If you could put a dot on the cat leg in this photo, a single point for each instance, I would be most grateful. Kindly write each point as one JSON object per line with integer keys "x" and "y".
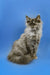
{"x": 34, "y": 53}
{"x": 35, "y": 49}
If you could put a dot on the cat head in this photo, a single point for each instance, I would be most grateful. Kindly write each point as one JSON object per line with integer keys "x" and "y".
{"x": 33, "y": 21}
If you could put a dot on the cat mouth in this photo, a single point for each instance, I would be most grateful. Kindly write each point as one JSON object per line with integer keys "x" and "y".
{"x": 34, "y": 24}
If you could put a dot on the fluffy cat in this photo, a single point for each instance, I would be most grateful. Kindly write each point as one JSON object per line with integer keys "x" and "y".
{"x": 24, "y": 50}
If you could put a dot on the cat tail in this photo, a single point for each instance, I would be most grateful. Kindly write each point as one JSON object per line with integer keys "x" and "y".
{"x": 25, "y": 59}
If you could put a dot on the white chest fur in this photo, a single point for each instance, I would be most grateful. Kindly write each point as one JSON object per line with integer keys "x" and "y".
{"x": 31, "y": 32}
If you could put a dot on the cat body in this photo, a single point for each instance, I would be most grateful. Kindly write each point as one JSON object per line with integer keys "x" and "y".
{"x": 24, "y": 50}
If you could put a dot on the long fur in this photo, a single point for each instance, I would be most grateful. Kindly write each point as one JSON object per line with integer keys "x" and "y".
{"x": 26, "y": 47}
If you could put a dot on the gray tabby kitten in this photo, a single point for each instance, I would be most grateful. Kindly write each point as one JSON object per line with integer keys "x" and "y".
{"x": 24, "y": 50}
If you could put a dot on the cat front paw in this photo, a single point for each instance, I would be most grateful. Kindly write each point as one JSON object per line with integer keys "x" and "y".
{"x": 35, "y": 57}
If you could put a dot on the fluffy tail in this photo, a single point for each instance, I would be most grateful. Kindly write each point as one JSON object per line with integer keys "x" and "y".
{"x": 25, "y": 59}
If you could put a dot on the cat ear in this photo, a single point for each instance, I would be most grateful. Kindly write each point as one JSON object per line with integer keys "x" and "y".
{"x": 38, "y": 17}
{"x": 27, "y": 18}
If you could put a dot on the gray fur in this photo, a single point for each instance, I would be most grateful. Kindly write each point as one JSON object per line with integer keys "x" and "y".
{"x": 24, "y": 50}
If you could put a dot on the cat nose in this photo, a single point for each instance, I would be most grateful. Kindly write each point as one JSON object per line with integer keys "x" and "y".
{"x": 33, "y": 21}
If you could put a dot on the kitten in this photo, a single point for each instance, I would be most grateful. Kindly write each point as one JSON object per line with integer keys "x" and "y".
{"x": 24, "y": 50}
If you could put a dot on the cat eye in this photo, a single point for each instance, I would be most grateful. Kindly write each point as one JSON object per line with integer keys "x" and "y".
{"x": 28, "y": 21}
{"x": 38, "y": 21}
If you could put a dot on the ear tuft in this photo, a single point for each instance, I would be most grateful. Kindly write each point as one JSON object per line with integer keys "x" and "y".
{"x": 28, "y": 18}
{"x": 38, "y": 17}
